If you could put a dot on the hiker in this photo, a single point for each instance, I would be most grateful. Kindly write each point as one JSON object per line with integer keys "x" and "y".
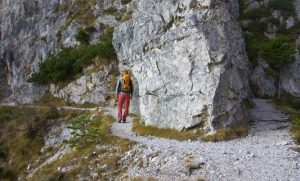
{"x": 124, "y": 91}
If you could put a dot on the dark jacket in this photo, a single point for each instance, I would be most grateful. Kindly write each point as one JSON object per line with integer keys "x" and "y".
{"x": 119, "y": 87}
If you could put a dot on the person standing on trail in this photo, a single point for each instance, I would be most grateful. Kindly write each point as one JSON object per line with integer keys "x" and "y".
{"x": 124, "y": 91}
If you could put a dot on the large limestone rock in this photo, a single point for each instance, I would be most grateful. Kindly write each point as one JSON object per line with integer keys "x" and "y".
{"x": 189, "y": 62}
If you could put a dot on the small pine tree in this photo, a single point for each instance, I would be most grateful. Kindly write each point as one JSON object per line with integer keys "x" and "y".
{"x": 84, "y": 130}
{"x": 82, "y": 36}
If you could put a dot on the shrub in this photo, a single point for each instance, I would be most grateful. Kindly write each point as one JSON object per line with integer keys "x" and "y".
{"x": 110, "y": 10}
{"x": 253, "y": 47}
{"x": 6, "y": 174}
{"x": 256, "y": 14}
{"x": 283, "y": 5}
{"x": 82, "y": 36}
{"x": 125, "y": 1}
{"x": 52, "y": 113}
{"x": 256, "y": 27}
{"x": 3, "y": 152}
{"x": 84, "y": 130}
{"x": 279, "y": 51}
{"x": 70, "y": 61}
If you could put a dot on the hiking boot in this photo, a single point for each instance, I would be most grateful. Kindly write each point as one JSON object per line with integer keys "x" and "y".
{"x": 124, "y": 120}
{"x": 119, "y": 121}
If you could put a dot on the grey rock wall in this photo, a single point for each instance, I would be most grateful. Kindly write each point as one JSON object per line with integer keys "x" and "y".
{"x": 28, "y": 32}
{"x": 94, "y": 88}
{"x": 189, "y": 61}
{"x": 263, "y": 85}
{"x": 290, "y": 77}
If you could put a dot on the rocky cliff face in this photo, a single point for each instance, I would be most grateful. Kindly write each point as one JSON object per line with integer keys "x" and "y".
{"x": 31, "y": 30}
{"x": 188, "y": 57}
{"x": 273, "y": 20}
{"x": 189, "y": 62}
{"x": 290, "y": 77}
{"x": 28, "y": 33}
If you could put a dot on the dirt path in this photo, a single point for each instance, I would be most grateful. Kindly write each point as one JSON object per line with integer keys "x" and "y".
{"x": 263, "y": 155}
{"x": 58, "y": 107}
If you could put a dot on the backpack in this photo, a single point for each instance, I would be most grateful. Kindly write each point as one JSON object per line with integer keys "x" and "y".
{"x": 126, "y": 86}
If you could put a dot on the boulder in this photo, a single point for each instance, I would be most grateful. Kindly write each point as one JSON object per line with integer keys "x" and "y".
{"x": 188, "y": 60}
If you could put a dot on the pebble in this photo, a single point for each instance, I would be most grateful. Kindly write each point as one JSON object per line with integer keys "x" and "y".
{"x": 104, "y": 166}
{"x": 282, "y": 143}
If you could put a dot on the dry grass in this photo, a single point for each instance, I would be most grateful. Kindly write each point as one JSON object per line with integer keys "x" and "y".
{"x": 22, "y": 132}
{"x": 127, "y": 16}
{"x": 80, "y": 159}
{"x": 290, "y": 106}
{"x": 224, "y": 134}
{"x": 297, "y": 149}
{"x": 142, "y": 178}
{"x": 143, "y": 130}
{"x": 85, "y": 14}
{"x": 51, "y": 101}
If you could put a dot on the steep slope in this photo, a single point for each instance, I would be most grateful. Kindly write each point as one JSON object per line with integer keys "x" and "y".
{"x": 189, "y": 62}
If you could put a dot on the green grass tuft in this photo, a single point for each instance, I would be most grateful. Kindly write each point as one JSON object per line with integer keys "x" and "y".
{"x": 143, "y": 130}
{"x": 83, "y": 36}
{"x": 229, "y": 133}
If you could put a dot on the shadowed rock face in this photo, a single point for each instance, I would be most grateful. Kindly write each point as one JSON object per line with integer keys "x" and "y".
{"x": 28, "y": 33}
{"x": 290, "y": 78}
{"x": 31, "y": 30}
{"x": 3, "y": 79}
{"x": 189, "y": 61}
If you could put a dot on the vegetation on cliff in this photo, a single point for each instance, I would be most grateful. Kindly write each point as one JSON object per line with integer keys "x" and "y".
{"x": 69, "y": 62}
{"x": 269, "y": 36}
{"x": 278, "y": 50}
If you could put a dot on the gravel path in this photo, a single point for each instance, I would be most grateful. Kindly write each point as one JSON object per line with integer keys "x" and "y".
{"x": 57, "y": 107}
{"x": 263, "y": 155}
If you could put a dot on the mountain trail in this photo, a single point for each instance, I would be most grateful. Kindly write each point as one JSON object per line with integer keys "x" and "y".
{"x": 264, "y": 154}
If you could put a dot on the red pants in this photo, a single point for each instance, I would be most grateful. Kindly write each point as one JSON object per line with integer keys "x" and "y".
{"x": 123, "y": 98}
